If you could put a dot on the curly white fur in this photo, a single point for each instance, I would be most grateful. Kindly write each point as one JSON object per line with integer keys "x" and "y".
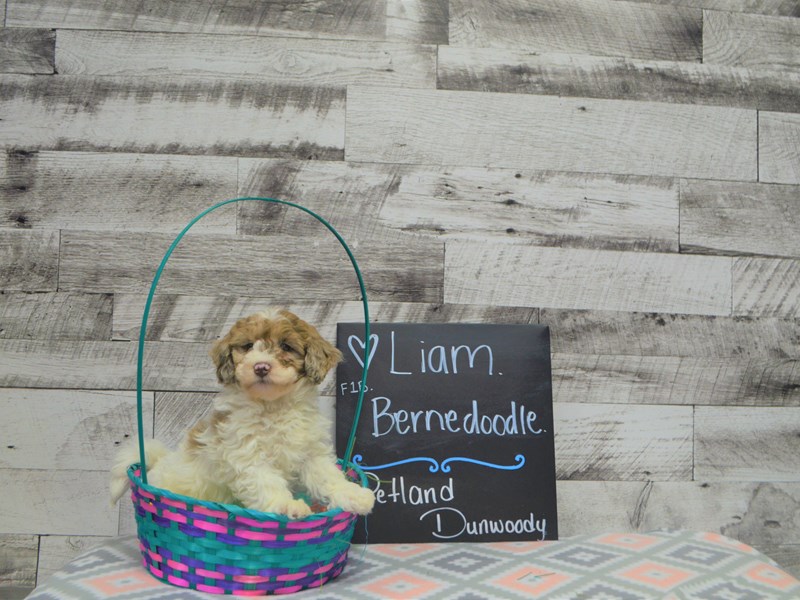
{"x": 264, "y": 441}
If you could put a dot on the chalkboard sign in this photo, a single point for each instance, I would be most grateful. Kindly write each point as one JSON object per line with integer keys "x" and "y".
{"x": 456, "y": 431}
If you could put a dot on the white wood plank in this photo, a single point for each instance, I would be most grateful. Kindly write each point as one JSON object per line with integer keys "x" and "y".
{"x": 285, "y": 61}
{"x": 766, "y": 287}
{"x": 607, "y": 442}
{"x": 775, "y": 8}
{"x": 63, "y": 429}
{"x": 744, "y": 40}
{"x": 29, "y": 260}
{"x": 740, "y": 444}
{"x": 105, "y": 365}
{"x": 18, "y": 561}
{"x": 517, "y": 131}
{"x": 515, "y": 70}
{"x": 56, "y": 502}
{"x": 204, "y": 318}
{"x": 508, "y": 274}
{"x": 56, "y": 551}
{"x": 663, "y": 335}
{"x": 693, "y": 380}
{"x": 213, "y": 264}
{"x": 176, "y": 412}
{"x": 122, "y": 192}
{"x": 778, "y": 144}
{"x": 548, "y": 208}
{"x": 166, "y": 115}
{"x": 739, "y": 510}
{"x": 29, "y": 51}
{"x": 580, "y": 26}
{"x": 55, "y": 316}
{"x": 730, "y": 218}
{"x": 419, "y": 21}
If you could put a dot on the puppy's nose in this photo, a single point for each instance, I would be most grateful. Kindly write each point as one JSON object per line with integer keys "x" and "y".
{"x": 261, "y": 369}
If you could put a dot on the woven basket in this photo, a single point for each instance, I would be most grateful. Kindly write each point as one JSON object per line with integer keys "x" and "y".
{"x": 228, "y": 549}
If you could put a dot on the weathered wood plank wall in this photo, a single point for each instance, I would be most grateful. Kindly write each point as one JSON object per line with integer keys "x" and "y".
{"x": 627, "y": 172}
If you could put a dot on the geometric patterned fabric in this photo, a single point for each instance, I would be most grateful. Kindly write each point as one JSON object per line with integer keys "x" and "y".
{"x": 663, "y": 565}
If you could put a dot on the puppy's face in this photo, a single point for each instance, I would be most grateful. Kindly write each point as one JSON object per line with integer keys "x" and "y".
{"x": 268, "y": 354}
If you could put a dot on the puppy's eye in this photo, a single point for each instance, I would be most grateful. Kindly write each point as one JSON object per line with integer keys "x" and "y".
{"x": 247, "y": 347}
{"x": 287, "y": 348}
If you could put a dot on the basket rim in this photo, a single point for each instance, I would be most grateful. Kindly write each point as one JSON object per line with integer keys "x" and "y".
{"x": 240, "y": 511}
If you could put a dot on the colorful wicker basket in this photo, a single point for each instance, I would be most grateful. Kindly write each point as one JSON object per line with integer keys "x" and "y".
{"x": 227, "y": 549}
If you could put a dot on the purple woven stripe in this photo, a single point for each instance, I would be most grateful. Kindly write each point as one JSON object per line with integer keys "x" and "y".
{"x": 232, "y": 540}
{"x": 190, "y": 530}
{"x": 229, "y": 570}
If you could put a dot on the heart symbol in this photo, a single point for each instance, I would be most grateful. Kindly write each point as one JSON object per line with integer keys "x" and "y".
{"x": 373, "y": 345}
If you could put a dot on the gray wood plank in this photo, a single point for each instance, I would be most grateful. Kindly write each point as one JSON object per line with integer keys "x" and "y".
{"x": 756, "y": 41}
{"x": 18, "y": 561}
{"x": 56, "y": 551}
{"x": 598, "y": 27}
{"x": 169, "y": 116}
{"x": 766, "y": 287}
{"x": 775, "y": 8}
{"x": 508, "y": 274}
{"x": 285, "y": 61}
{"x": 29, "y": 51}
{"x": 739, "y": 444}
{"x": 176, "y": 412}
{"x": 55, "y": 316}
{"x": 546, "y": 208}
{"x": 204, "y": 318}
{"x": 739, "y": 218}
{"x": 676, "y": 380}
{"x": 242, "y": 266}
{"x": 29, "y": 260}
{"x": 602, "y": 332}
{"x": 618, "y": 443}
{"x": 417, "y": 21}
{"x": 105, "y": 365}
{"x": 109, "y": 191}
{"x": 778, "y": 143}
{"x": 738, "y": 510}
{"x": 579, "y": 134}
{"x": 67, "y": 429}
{"x": 514, "y": 70}
{"x": 56, "y": 502}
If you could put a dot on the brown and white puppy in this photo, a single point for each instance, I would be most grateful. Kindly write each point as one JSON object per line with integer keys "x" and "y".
{"x": 264, "y": 439}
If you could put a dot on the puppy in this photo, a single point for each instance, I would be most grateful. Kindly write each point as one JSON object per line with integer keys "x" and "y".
{"x": 264, "y": 439}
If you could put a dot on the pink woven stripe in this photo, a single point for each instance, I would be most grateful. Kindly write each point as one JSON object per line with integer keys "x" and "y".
{"x": 148, "y": 507}
{"x": 168, "y": 514}
{"x": 214, "y": 527}
{"x": 261, "y": 536}
{"x": 291, "y": 576}
{"x": 155, "y": 556}
{"x": 258, "y": 524}
{"x": 289, "y": 590}
{"x": 305, "y": 524}
{"x": 157, "y": 572}
{"x": 177, "y": 581}
{"x": 174, "y": 503}
{"x": 254, "y": 579}
{"x": 254, "y": 592}
{"x": 209, "y": 574}
{"x": 177, "y": 566}
{"x": 211, "y": 589}
{"x": 147, "y": 495}
{"x": 338, "y": 527}
{"x": 323, "y": 569}
{"x": 299, "y": 537}
{"x": 217, "y": 514}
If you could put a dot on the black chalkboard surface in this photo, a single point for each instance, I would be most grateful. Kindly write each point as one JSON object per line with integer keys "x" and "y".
{"x": 457, "y": 429}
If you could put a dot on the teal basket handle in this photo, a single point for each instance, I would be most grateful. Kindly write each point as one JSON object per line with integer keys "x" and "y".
{"x": 143, "y": 331}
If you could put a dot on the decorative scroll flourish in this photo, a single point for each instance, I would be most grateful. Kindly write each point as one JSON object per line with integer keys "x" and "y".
{"x": 444, "y": 466}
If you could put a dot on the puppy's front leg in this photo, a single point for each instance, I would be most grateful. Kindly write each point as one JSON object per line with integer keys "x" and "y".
{"x": 264, "y": 489}
{"x": 324, "y": 480}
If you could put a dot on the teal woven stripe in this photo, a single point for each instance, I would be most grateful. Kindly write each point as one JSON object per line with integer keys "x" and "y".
{"x": 142, "y": 333}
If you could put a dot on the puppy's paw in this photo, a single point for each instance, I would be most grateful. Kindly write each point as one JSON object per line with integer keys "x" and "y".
{"x": 294, "y": 509}
{"x": 353, "y": 498}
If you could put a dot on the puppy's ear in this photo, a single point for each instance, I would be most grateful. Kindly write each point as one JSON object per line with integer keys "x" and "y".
{"x": 321, "y": 355}
{"x": 223, "y": 359}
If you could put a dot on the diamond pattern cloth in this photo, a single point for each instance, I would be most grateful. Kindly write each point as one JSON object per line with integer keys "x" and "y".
{"x": 667, "y": 565}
